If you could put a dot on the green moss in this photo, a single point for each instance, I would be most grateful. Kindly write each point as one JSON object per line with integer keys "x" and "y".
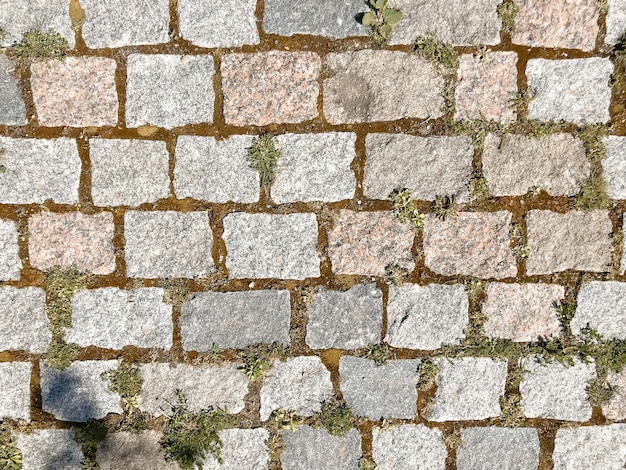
{"x": 379, "y": 353}
{"x": 444, "y": 207}
{"x": 475, "y": 288}
{"x": 367, "y": 464}
{"x": 335, "y": 417}
{"x": 592, "y": 140}
{"x": 428, "y": 371}
{"x": 405, "y": 210}
{"x": 91, "y": 434}
{"x": 39, "y": 45}
{"x": 176, "y": 291}
{"x": 258, "y": 358}
{"x": 518, "y": 241}
{"x": 61, "y": 283}
{"x": 396, "y": 275}
{"x": 126, "y": 381}
{"x": 599, "y": 391}
{"x": 592, "y": 196}
{"x": 512, "y": 413}
{"x": 478, "y": 188}
{"x": 10, "y": 455}
{"x": 263, "y": 157}
{"x": 430, "y": 48}
{"x": 521, "y": 100}
{"x": 565, "y": 313}
{"x": 60, "y": 355}
{"x": 507, "y": 11}
{"x": 381, "y": 20}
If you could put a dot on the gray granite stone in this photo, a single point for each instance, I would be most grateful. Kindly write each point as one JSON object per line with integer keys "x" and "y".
{"x": 16, "y": 18}
{"x": 228, "y": 23}
{"x": 12, "y": 108}
{"x": 168, "y": 244}
{"x": 375, "y": 85}
{"x": 586, "y": 447}
{"x": 556, "y": 391}
{"x": 23, "y": 320}
{"x": 235, "y": 319}
{"x": 300, "y": 384}
{"x": 264, "y": 246}
{"x": 615, "y": 21}
{"x": 128, "y": 172}
{"x": 222, "y": 386}
{"x": 427, "y": 166}
{"x": 79, "y": 393}
{"x": 572, "y": 90}
{"x": 426, "y": 317}
{"x": 468, "y": 389}
{"x": 315, "y": 167}
{"x": 614, "y": 166}
{"x": 47, "y": 449}
{"x": 215, "y": 170}
{"x": 244, "y": 449}
{"x": 345, "y": 320}
{"x": 615, "y": 408}
{"x": 10, "y": 263}
{"x": 39, "y": 169}
{"x": 132, "y": 451}
{"x": 315, "y": 449}
{"x": 502, "y": 448}
{"x": 409, "y": 446}
{"x": 601, "y": 305}
{"x": 169, "y": 90}
{"x": 575, "y": 240}
{"x": 118, "y": 23}
{"x": 15, "y": 386}
{"x": 514, "y": 164}
{"x": 375, "y": 392}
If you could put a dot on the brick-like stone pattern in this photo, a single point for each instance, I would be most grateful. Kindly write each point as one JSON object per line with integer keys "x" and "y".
{"x": 409, "y": 446}
{"x": 307, "y": 448}
{"x": 23, "y": 320}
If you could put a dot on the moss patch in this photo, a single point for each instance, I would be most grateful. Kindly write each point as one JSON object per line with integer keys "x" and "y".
{"x": 428, "y": 371}
{"x": 379, "y": 353}
{"x": 430, "y": 48}
{"x": 263, "y": 157}
{"x": 36, "y": 45}
{"x": 519, "y": 247}
{"x": 507, "y": 11}
{"x": 10, "y": 456}
{"x": 126, "y": 381}
{"x": 396, "y": 275}
{"x": 592, "y": 195}
{"x": 176, "y": 291}
{"x": 60, "y": 355}
{"x": 335, "y": 417}
{"x": 444, "y": 207}
{"x": 367, "y": 464}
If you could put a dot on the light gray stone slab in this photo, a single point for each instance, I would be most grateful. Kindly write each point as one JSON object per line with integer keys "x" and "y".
{"x": 556, "y": 391}
{"x": 315, "y": 167}
{"x": 168, "y": 244}
{"x": 169, "y": 90}
{"x": 15, "y": 386}
{"x": 235, "y": 319}
{"x": 426, "y": 317}
{"x": 132, "y": 451}
{"x": 10, "y": 262}
{"x": 614, "y": 166}
{"x": 315, "y": 449}
{"x": 427, "y": 166}
{"x": 215, "y": 170}
{"x": 468, "y": 389}
{"x": 23, "y": 320}
{"x": 345, "y": 320}
{"x": 588, "y": 447}
{"x": 299, "y": 384}
{"x": 409, "y": 446}
{"x": 265, "y": 245}
{"x": 615, "y": 408}
{"x": 39, "y": 169}
{"x": 16, "y": 18}
{"x": 502, "y": 448}
{"x": 12, "y": 108}
{"x": 47, "y": 449}
{"x": 128, "y": 172}
{"x": 243, "y": 449}
{"x": 615, "y": 21}
{"x": 375, "y": 392}
{"x": 79, "y": 392}
{"x": 572, "y": 90}
{"x": 601, "y": 305}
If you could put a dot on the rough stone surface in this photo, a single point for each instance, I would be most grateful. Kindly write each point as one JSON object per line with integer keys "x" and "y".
{"x": 322, "y": 18}
{"x": 468, "y": 389}
{"x": 45, "y": 449}
{"x": 244, "y": 449}
{"x": 615, "y": 408}
{"x": 409, "y": 446}
{"x": 371, "y": 85}
{"x": 614, "y": 166}
{"x": 299, "y": 384}
{"x": 572, "y": 24}
{"x": 128, "y": 172}
{"x": 264, "y": 246}
{"x": 75, "y": 92}
{"x": 522, "y": 312}
{"x": 117, "y": 23}
{"x": 427, "y": 166}
{"x": 10, "y": 263}
{"x": 575, "y": 240}
{"x": 556, "y": 391}
{"x": 315, "y": 167}
{"x": 367, "y": 242}
{"x": 572, "y": 90}
{"x": 169, "y": 90}
{"x": 270, "y": 87}
{"x": 79, "y": 393}
{"x": 615, "y": 21}
{"x": 376, "y": 392}
{"x": 471, "y": 244}
{"x": 17, "y": 18}
{"x": 514, "y": 164}
{"x": 590, "y": 447}
{"x": 601, "y": 305}
{"x": 72, "y": 238}
{"x": 215, "y": 170}
{"x": 345, "y": 320}
{"x": 131, "y": 451}
{"x": 23, "y": 320}
{"x": 315, "y": 449}
{"x": 168, "y": 244}
{"x": 228, "y": 23}
{"x": 39, "y": 169}
{"x": 459, "y": 23}
{"x": 503, "y": 448}
{"x": 15, "y": 386}
{"x": 12, "y": 108}
{"x": 235, "y": 319}
{"x": 222, "y": 386}
{"x": 426, "y": 317}
{"x": 485, "y": 86}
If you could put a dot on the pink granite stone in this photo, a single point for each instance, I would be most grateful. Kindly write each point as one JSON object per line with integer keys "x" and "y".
{"x": 615, "y": 408}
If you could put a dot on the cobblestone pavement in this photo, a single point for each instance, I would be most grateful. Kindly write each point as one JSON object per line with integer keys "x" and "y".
{"x": 242, "y": 235}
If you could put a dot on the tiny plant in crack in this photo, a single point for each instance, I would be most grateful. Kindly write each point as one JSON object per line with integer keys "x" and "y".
{"x": 379, "y": 353}
{"x": 444, "y": 207}
{"x": 37, "y": 45}
{"x": 433, "y": 49}
{"x": 10, "y": 456}
{"x": 507, "y": 11}
{"x": 257, "y": 359}
{"x": 381, "y": 20}
{"x": 404, "y": 208}
{"x": 396, "y": 275}
{"x": 335, "y": 417}
{"x": 126, "y": 381}
{"x": 263, "y": 157}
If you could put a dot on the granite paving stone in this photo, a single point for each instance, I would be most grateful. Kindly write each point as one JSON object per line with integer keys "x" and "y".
{"x": 12, "y": 108}
{"x": 615, "y": 407}
{"x": 23, "y": 320}
{"x": 601, "y": 305}
{"x": 496, "y": 447}
{"x": 243, "y": 449}
{"x": 307, "y": 448}
{"x": 614, "y": 166}
{"x": 16, "y": 18}
{"x": 10, "y": 263}
{"x": 409, "y": 446}
{"x": 615, "y": 21}
{"x": 590, "y": 447}
{"x": 15, "y": 386}
{"x": 132, "y": 451}
{"x": 50, "y": 448}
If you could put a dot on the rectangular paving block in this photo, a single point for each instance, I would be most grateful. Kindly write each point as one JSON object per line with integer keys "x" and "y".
{"x": 128, "y": 172}
{"x": 615, "y": 408}
{"x": 10, "y": 262}
{"x": 169, "y": 90}
{"x": 214, "y": 170}
{"x": 375, "y": 85}
{"x": 264, "y": 246}
{"x": 427, "y": 166}
{"x": 243, "y": 449}
{"x": 15, "y": 386}
{"x": 23, "y": 320}
{"x": 307, "y": 448}
{"x": 72, "y": 238}
{"x": 133, "y": 451}
{"x": 168, "y": 244}
{"x": 496, "y": 447}
{"x": 17, "y": 18}
{"x": 12, "y": 108}
{"x": 601, "y": 305}
{"x": 39, "y": 169}
{"x": 615, "y": 21}
{"x": 614, "y": 166}
{"x": 590, "y": 447}
{"x": 409, "y": 446}
{"x": 50, "y": 448}
{"x": 235, "y": 319}
{"x": 270, "y": 87}
{"x": 575, "y": 240}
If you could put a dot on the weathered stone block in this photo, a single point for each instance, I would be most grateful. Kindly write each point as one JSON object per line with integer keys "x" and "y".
{"x": 50, "y": 448}
{"x": 409, "y": 446}
{"x": 244, "y": 449}
{"x": 615, "y": 21}
{"x": 10, "y": 263}
{"x": 587, "y": 447}
{"x": 615, "y": 408}
{"x": 614, "y": 166}
{"x": 132, "y": 451}
{"x": 15, "y": 386}
{"x": 601, "y": 305}
{"x": 23, "y": 320}
{"x": 492, "y": 447}
{"x": 12, "y": 108}
{"x": 315, "y": 449}
{"x": 17, "y": 18}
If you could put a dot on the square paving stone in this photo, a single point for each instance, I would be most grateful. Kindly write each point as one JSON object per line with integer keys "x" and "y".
{"x": 409, "y": 446}
{"x": 23, "y": 320}
{"x": 380, "y": 392}
{"x": 243, "y": 449}
{"x": 615, "y": 408}
{"x": 614, "y": 166}
{"x": 10, "y": 262}
{"x": 315, "y": 449}
{"x": 45, "y": 449}
{"x": 18, "y": 17}
{"x": 12, "y": 108}
{"x": 586, "y": 447}
{"x": 132, "y": 451}
{"x": 615, "y": 21}
{"x": 15, "y": 386}
{"x": 601, "y": 305}
{"x": 501, "y": 448}
{"x": 169, "y": 90}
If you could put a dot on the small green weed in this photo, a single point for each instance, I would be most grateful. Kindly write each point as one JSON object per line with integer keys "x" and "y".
{"x": 478, "y": 188}
{"x": 126, "y": 381}
{"x": 565, "y": 313}
{"x": 521, "y": 100}
{"x": 507, "y": 11}
{"x": 367, "y": 464}
{"x": 430, "y": 48}
{"x": 39, "y": 45}
{"x": 381, "y": 20}
{"x": 396, "y": 275}
{"x": 286, "y": 419}
{"x": 519, "y": 247}
{"x": 60, "y": 355}
{"x": 592, "y": 196}
{"x": 512, "y": 413}
{"x": 257, "y": 359}
{"x": 175, "y": 292}
{"x": 379, "y": 353}
{"x": 91, "y": 434}
{"x": 10, "y": 455}
{"x": 335, "y": 417}
{"x": 599, "y": 391}
{"x": 405, "y": 210}
{"x": 482, "y": 53}
{"x": 263, "y": 157}
{"x": 444, "y": 207}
